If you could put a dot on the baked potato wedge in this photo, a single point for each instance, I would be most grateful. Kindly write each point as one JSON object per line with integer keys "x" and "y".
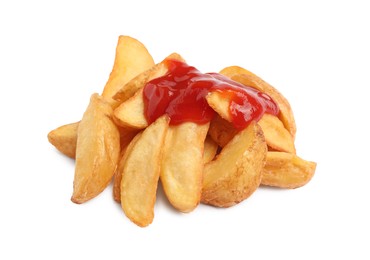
{"x": 130, "y": 114}
{"x": 64, "y": 138}
{"x": 158, "y": 70}
{"x": 276, "y": 135}
{"x": 97, "y": 150}
{"x": 286, "y": 170}
{"x": 140, "y": 173}
{"x": 247, "y": 78}
{"x": 132, "y": 58}
{"x": 237, "y": 171}
{"x": 118, "y": 173}
{"x": 182, "y": 164}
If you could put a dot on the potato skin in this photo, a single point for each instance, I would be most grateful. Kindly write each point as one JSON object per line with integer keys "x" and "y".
{"x": 97, "y": 151}
{"x": 277, "y": 136}
{"x": 286, "y": 170}
{"x": 237, "y": 171}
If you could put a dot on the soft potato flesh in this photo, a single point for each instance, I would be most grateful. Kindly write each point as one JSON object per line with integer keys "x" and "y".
{"x": 276, "y": 135}
{"x": 97, "y": 151}
{"x": 64, "y": 138}
{"x": 118, "y": 173}
{"x": 210, "y": 150}
{"x": 158, "y": 70}
{"x": 140, "y": 173}
{"x": 236, "y": 172}
{"x": 286, "y": 170}
{"x": 132, "y": 58}
{"x": 247, "y": 78}
{"x": 182, "y": 164}
{"x": 220, "y": 103}
{"x": 130, "y": 114}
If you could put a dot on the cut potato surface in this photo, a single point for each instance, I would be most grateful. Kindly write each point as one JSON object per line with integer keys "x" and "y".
{"x": 132, "y": 58}
{"x": 286, "y": 170}
{"x": 182, "y": 164}
{"x": 140, "y": 173}
{"x": 97, "y": 151}
{"x": 64, "y": 138}
{"x": 119, "y": 170}
{"x": 137, "y": 83}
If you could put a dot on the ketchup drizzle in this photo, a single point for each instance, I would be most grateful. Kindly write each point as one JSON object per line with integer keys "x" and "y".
{"x": 181, "y": 94}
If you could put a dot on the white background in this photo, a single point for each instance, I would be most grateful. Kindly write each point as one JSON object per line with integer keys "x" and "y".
{"x": 53, "y": 56}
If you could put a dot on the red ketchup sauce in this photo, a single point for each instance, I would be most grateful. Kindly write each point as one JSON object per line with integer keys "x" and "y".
{"x": 181, "y": 94}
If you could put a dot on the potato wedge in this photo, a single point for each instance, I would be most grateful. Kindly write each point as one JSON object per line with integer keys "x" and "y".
{"x": 132, "y": 58}
{"x": 221, "y": 131}
{"x": 158, "y": 70}
{"x": 118, "y": 173}
{"x": 276, "y": 135}
{"x": 64, "y": 138}
{"x": 220, "y": 103}
{"x": 141, "y": 173}
{"x": 236, "y": 172}
{"x": 130, "y": 114}
{"x": 210, "y": 150}
{"x": 247, "y": 78}
{"x": 286, "y": 170}
{"x": 97, "y": 151}
{"x": 182, "y": 164}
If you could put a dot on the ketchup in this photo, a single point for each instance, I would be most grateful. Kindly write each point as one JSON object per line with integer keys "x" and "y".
{"x": 181, "y": 94}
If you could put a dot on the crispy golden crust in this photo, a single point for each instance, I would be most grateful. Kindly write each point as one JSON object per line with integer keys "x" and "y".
{"x": 236, "y": 173}
{"x": 140, "y": 173}
{"x": 130, "y": 114}
{"x": 286, "y": 170}
{"x": 64, "y": 138}
{"x": 125, "y": 151}
{"x": 276, "y": 135}
{"x": 132, "y": 58}
{"x": 182, "y": 164}
{"x": 97, "y": 151}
